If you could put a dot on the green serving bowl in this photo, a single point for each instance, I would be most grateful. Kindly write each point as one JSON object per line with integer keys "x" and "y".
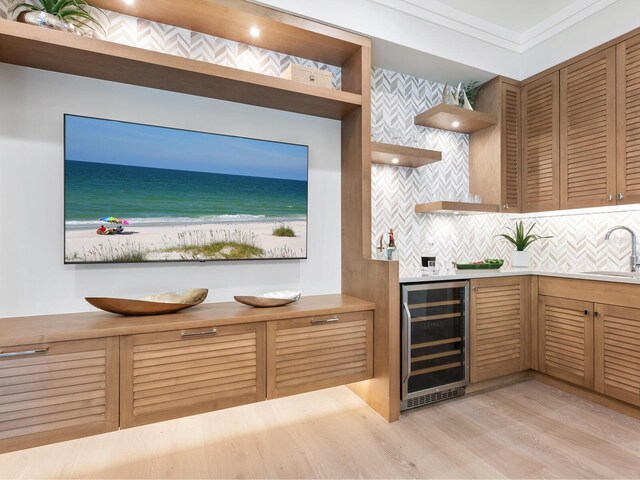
{"x": 480, "y": 266}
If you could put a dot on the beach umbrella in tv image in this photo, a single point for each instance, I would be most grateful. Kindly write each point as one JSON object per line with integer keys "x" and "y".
{"x": 112, "y": 231}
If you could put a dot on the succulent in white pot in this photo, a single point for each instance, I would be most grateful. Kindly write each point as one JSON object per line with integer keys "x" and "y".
{"x": 520, "y": 239}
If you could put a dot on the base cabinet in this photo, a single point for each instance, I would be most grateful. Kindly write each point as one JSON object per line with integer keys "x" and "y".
{"x": 173, "y": 374}
{"x": 499, "y": 327}
{"x": 305, "y": 354}
{"x": 617, "y": 347}
{"x": 57, "y": 391}
{"x": 566, "y": 339}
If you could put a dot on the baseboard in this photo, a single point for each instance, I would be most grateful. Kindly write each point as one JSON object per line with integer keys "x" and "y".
{"x": 496, "y": 383}
{"x": 595, "y": 397}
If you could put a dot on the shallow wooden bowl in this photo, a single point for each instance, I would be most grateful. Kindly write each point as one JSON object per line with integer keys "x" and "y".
{"x": 263, "y": 301}
{"x": 152, "y": 305}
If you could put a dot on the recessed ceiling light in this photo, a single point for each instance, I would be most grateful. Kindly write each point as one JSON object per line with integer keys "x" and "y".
{"x": 254, "y": 32}
{"x": 394, "y": 160}
{"x": 455, "y": 124}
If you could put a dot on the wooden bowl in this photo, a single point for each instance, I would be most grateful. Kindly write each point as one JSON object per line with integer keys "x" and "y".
{"x": 152, "y": 305}
{"x": 263, "y": 301}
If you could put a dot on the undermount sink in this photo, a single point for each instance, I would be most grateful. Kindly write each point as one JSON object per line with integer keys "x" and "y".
{"x": 614, "y": 274}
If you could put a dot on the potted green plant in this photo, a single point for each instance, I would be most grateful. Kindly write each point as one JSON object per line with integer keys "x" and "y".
{"x": 71, "y": 15}
{"x": 521, "y": 240}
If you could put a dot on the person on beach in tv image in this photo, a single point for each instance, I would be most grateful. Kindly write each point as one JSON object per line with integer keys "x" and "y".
{"x": 185, "y": 195}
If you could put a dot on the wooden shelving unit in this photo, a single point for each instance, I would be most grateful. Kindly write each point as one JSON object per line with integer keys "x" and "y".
{"x": 456, "y": 208}
{"x": 445, "y": 116}
{"x": 37, "y": 47}
{"x": 384, "y": 154}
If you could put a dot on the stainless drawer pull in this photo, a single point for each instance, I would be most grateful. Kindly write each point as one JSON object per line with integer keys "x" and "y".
{"x": 326, "y": 320}
{"x": 184, "y": 334}
{"x": 24, "y": 352}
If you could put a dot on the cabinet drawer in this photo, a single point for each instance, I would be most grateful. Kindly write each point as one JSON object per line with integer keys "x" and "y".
{"x": 311, "y": 353}
{"x": 185, "y": 372}
{"x": 57, "y": 391}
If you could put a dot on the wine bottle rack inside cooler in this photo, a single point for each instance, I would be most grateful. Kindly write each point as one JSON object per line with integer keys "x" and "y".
{"x": 435, "y": 352}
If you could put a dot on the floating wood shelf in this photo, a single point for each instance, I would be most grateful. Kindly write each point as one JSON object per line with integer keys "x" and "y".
{"x": 38, "y": 47}
{"x": 443, "y": 117}
{"x": 384, "y": 154}
{"x": 457, "y": 208}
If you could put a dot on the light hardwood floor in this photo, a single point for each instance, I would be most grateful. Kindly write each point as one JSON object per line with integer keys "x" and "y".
{"x": 527, "y": 430}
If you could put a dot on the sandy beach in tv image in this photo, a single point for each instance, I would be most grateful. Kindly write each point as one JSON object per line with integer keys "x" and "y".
{"x": 136, "y": 193}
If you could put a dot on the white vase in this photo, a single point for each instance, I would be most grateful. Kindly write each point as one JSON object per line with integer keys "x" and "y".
{"x": 520, "y": 259}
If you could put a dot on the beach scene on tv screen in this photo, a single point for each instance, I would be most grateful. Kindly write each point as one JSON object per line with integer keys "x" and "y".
{"x": 137, "y": 193}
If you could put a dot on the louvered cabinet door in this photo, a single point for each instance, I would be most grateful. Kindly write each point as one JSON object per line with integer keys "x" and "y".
{"x": 511, "y": 176}
{"x": 311, "y": 353}
{"x": 566, "y": 339}
{"x": 57, "y": 391}
{"x": 588, "y": 132}
{"x": 185, "y": 372}
{"x": 498, "y": 327}
{"x": 541, "y": 144}
{"x": 617, "y": 352}
{"x": 628, "y": 120}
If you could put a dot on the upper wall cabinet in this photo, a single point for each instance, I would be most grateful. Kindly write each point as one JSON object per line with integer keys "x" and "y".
{"x": 494, "y": 153}
{"x": 540, "y": 144}
{"x": 587, "y": 132}
{"x": 628, "y": 120}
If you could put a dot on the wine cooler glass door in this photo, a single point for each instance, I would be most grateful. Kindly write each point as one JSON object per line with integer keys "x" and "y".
{"x": 434, "y": 338}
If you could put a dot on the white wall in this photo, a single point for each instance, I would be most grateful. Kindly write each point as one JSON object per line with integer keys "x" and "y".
{"x": 33, "y": 278}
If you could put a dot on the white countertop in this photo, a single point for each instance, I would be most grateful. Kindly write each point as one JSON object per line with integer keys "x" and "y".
{"x": 416, "y": 275}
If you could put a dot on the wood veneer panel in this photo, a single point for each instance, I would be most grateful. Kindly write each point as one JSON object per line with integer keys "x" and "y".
{"x": 32, "y": 46}
{"x": 442, "y": 116}
{"x": 617, "y": 347}
{"x": 48, "y": 328}
{"x": 384, "y": 154}
{"x": 193, "y": 388}
{"x": 587, "y": 132}
{"x": 499, "y": 327}
{"x": 232, "y": 19}
{"x": 323, "y": 341}
{"x": 628, "y": 128}
{"x": 566, "y": 340}
{"x": 540, "y": 145}
{"x": 37, "y": 408}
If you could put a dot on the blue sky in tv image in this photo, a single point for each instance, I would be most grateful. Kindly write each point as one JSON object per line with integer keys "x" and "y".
{"x": 115, "y": 142}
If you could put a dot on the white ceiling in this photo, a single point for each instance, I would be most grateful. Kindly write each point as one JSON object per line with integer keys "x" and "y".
{"x": 454, "y": 40}
{"x": 517, "y": 25}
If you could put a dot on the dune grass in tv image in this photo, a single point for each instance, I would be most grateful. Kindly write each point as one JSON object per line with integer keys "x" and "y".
{"x": 142, "y": 193}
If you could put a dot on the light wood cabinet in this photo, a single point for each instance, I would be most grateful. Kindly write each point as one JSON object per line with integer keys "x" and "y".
{"x": 305, "y": 354}
{"x": 494, "y": 152}
{"x": 617, "y": 352}
{"x": 184, "y": 372}
{"x": 628, "y": 126}
{"x": 566, "y": 339}
{"x": 57, "y": 391}
{"x": 541, "y": 144}
{"x": 499, "y": 327}
{"x": 587, "y": 132}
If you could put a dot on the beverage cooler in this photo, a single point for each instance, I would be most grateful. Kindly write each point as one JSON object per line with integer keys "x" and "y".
{"x": 435, "y": 347}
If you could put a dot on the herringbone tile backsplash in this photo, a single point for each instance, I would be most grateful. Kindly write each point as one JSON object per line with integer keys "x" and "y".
{"x": 578, "y": 242}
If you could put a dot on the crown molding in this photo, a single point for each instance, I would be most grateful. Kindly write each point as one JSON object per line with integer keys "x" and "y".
{"x": 437, "y": 12}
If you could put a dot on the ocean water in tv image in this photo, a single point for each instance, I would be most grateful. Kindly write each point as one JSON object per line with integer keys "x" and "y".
{"x": 136, "y": 193}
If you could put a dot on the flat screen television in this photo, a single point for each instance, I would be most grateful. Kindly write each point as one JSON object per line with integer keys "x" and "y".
{"x": 144, "y": 193}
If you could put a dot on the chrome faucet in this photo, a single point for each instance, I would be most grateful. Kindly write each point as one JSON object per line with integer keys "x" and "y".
{"x": 634, "y": 245}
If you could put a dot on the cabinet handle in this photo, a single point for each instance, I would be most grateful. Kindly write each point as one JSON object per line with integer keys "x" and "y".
{"x": 610, "y": 197}
{"x": 24, "y": 352}
{"x": 596, "y": 314}
{"x": 324, "y": 320}
{"x": 184, "y": 334}
{"x": 586, "y": 312}
{"x": 312, "y": 77}
{"x": 506, "y": 206}
{"x": 620, "y": 196}
{"x": 474, "y": 288}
